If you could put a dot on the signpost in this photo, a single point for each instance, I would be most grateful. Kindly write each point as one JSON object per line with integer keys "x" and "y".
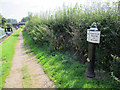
{"x": 93, "y": 37}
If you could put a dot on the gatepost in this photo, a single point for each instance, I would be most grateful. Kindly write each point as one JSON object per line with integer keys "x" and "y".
{"x": 93, "y": 37}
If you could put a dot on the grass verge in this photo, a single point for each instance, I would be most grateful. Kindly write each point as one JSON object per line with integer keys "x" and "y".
{"x": 26, "y": 82}
{"x": 63, "y": 70}
{"x": 6, "y": 55}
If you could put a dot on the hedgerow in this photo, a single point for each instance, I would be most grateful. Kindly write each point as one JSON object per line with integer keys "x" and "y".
{"x": 66, "y": 30}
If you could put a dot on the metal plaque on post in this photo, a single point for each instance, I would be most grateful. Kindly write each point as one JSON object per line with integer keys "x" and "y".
{"x": 93, "y": 36}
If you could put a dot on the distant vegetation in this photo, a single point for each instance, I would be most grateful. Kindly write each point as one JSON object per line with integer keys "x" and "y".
{"x": 11, "y": 21}
{"x": 3, "y": 23}
{"x": 25, "y": 19}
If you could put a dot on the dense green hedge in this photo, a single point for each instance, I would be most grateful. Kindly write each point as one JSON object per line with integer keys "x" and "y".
{"x": 66, "y": 30}
{"x": 64, "y": 71}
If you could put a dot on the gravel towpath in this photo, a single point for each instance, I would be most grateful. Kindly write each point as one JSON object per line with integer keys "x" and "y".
{"x": 16, "y": 78}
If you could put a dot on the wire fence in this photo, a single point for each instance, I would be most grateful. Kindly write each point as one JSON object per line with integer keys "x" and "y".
{"x": 2, "y": 32}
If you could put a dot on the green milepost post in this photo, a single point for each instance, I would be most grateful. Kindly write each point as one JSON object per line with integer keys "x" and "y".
{"x": 93, "y": 37}
{"x": 91, "y": 60}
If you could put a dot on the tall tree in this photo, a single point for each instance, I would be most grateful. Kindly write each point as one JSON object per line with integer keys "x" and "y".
{"x": 4, "y": 20}
{"x": 24, "y": 19}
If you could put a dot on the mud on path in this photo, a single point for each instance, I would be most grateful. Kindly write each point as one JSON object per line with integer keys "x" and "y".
{"x": 25, "y": 71}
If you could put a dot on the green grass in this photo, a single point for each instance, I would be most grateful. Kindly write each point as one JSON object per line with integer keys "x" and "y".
{"x": 63, "y": 70}
{"x": 6, "y": 55}
{"x": 26, "y": 82}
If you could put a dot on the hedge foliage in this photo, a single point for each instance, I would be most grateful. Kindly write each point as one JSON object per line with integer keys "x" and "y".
{"x": 66, "y": 29}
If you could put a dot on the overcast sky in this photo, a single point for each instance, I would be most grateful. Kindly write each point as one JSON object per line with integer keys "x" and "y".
{"x": 17, "y": 9}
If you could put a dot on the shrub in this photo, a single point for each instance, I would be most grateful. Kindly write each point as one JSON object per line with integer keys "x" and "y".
{"x": 67, "y": 28}
{"x": 115, "y": 65}
{"x": 40, "y": 33}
